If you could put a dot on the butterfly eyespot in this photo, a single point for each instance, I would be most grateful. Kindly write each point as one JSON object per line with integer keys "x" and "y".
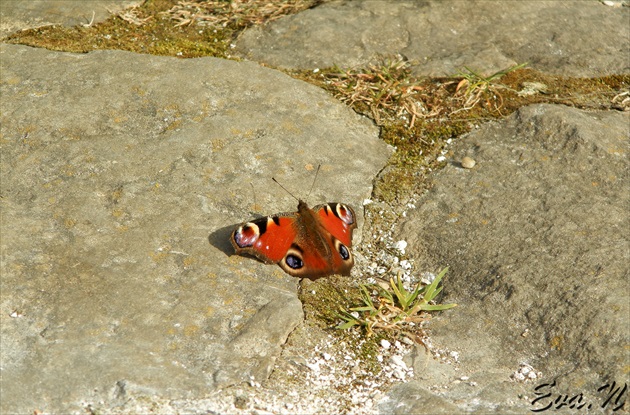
{"x": 343, "y": 251}
{"x": 246, "y": 235}
{"x": 294, "y": 262}
{"x": 343, "y": 213}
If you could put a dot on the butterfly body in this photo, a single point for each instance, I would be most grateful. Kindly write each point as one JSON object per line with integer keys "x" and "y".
{"x": 310, "y": 243}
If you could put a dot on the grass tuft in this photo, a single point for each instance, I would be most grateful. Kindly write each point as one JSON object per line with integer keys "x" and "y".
{"x": 393, "y": 307}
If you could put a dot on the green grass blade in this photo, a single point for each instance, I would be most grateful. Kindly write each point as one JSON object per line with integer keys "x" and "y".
{"x": 436, "y": 307}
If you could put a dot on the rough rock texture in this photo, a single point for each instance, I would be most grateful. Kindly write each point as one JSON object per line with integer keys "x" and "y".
{"x": 122, "y": 175}
{"x": 22, "y": 14}
{"x": 536, "y": 236}
{"x": 574, "y": 38}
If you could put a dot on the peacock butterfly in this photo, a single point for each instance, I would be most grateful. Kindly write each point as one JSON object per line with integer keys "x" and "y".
{"x": 309, "y": 243}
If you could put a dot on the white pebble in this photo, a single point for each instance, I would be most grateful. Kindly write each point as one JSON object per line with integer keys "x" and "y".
{"x": 313, "y": 366}
{"x": 397, "y": 360}
{"x": 468, "y": 163}
{"x": 385, "y": 344}
{"x": 398, "y": 373}
{"x": 401, "y": 246}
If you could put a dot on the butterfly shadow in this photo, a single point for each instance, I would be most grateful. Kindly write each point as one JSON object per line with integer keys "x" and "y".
{"x": 220, "y": 239}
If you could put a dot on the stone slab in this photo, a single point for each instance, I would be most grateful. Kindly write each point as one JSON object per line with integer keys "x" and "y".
{"x": 28, "y": 14}
{"x": 536, "y": 238}
{"x": 122, "y": 176}
{"x": 573, "y": 38}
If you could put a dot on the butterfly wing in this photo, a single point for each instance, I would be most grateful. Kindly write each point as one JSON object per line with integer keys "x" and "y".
{"x": 323, "y": 245}
{"x": 310, "y": 243}
{"x": 338, "y": 219}
{"x": 268, "y": 238}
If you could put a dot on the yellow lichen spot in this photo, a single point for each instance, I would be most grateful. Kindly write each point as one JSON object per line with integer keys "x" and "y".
{"x": 120, "y": 119}
{"x": 173, "y": 125}
{"x": 209, "y": 311}
{"x": 616, "y": 151}
{"x": 217, "y": 144}
{"x": 594, "y": 184}
{"x": 139, "y": 91}
{"x": 556, "y": 342}
{"x": 52, "y": 200}
{"x": 290, "y": 127}
{"x": 237, "y": 262}
{"x": 158, "y": 256}
{"x": 68, "y": 170}
{"x": 117, "y": 194}
{"x": 211, "y": 275}
{"x": 95, "y": 332}
{"x": 69, "y": 223}
{"x": 191, "y": 330}
{"x": 117, "y": 213}
{"x": 122, "y": 228}
{"x": 26, "y": 130}
{"x": 13, "y": 80}
{"x": 188, "y": 261}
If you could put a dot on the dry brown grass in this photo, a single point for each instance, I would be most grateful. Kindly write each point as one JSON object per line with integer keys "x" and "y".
{"x": 236, "y": 13}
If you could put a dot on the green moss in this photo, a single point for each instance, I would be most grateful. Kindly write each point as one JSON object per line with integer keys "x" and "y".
{"x": 157, "y": 36}
{"x": 322, "y": 299}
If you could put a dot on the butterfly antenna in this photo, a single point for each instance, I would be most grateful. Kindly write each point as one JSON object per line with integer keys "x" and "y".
{"x": 254, "y": 193}
{"x": 285, "y": 189}
{"x": 314, "y": 179}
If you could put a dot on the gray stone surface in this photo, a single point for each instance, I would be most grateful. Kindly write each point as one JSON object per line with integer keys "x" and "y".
{"x": 122, "y": 175}
{"x": 574, "y": 38}
{"x": 536, "y": 236}
{"x": 25, "y": 14}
